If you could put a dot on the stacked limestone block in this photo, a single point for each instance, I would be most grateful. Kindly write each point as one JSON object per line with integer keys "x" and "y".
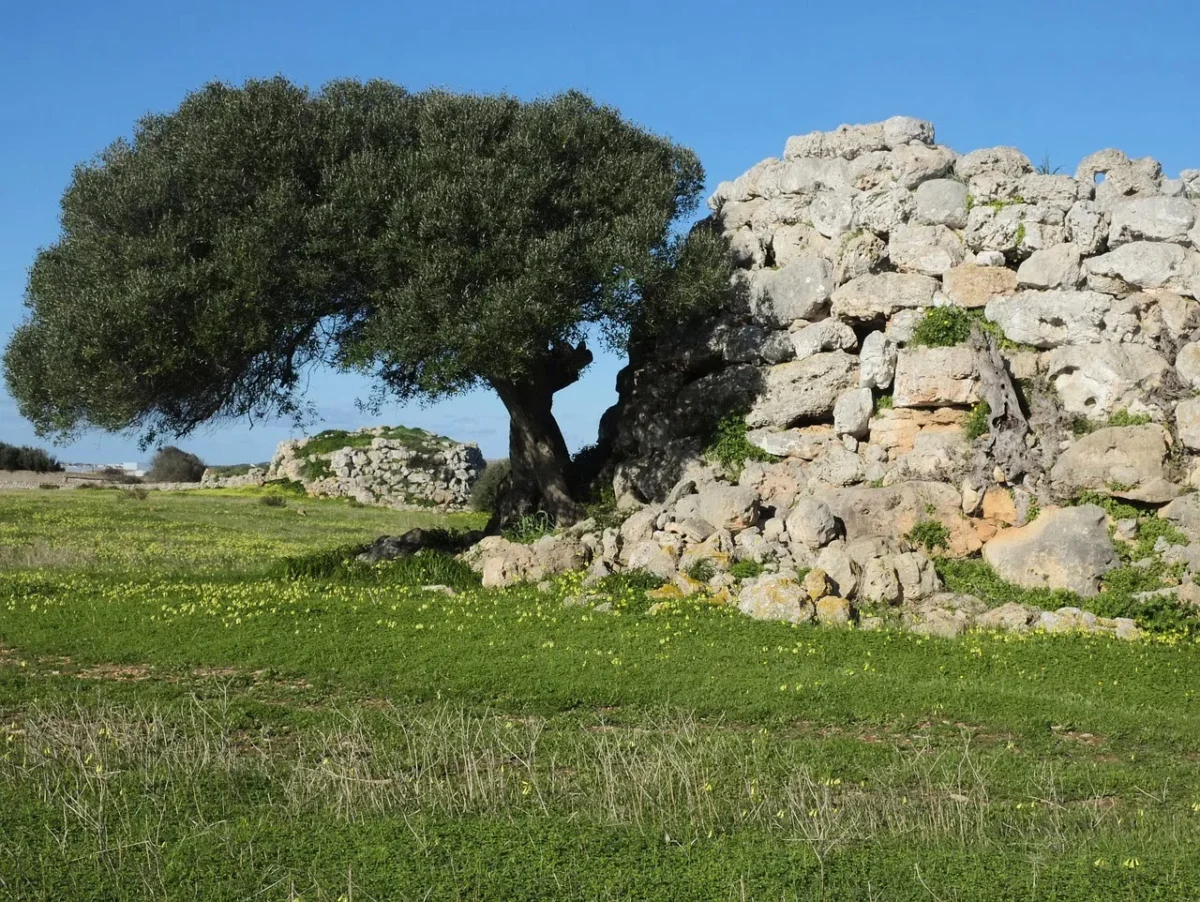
{"x": 394, "y": 472}
{"x": 1089, "y": 284}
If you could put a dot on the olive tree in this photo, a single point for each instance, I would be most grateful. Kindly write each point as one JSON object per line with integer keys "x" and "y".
{"x": 440, "y": 242}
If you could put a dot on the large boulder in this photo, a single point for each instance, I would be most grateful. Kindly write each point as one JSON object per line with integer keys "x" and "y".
{"x": 891, "y": 511}
{"x": 1151, "y": 219}
{"x": 1150, "y": 264}
{"x": 942, "y": 202}
{"x": 811, "y": 523}
{"x": 1066, "y": 548}
{"x": 877, "y": 361}
{"x": 928, "y": 249}
{"x": 1051, "y": 267}
{"x": 1124, "y": 461}
{"x": 732, "y": 507}
{"x": 972, "y": 285}
{"x": 1098, "y": 379}
{"x": 796, "y": 291}
{"x": 1047, "y": 319}
{"x": 776, "y": 598}
{"x": 882, "y": 294}
{"x": 504, "y": 563}
{"x": 803, "y": 389}
{"x": 935, "y": 377}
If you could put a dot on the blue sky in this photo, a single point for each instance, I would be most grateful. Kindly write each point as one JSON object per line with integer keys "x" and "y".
{"x": 730, "y": 80}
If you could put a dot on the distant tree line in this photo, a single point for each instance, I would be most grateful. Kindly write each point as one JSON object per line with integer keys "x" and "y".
{"x": 23, "y": 457}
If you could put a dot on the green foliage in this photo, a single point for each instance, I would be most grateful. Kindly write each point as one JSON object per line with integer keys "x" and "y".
{"x": 330, "y": 440}
{"x": 1115, "y": 508}
{"x": 1046, "y": 168}
{"x": 13, "y": 457}
{"x": 747, "y": 569}
{"x": 929, "y": 534}
{"x": 884, "y": 402}
{"x": 943, "y": 327}
{"x": 1019, "y": 236}
{"x": 315, "y": 468}
{"x": 977, "y": 422}
{"x": 272, "y": 501}
{"x": 171, "y": 464}
{"x": 702, "y": 570}
{"x": 485, "y": 494}
{"x": 1123, "y": 417}
{"x": 729, "y": 446}
{"x": 528, "y": 529}
{"x": 328, "y": 720}
{"x": 973, "y": 576}
{"x": 1150, "y": 529}
{"x": 1001, "y": 203}
{"x": 441, "y": 241}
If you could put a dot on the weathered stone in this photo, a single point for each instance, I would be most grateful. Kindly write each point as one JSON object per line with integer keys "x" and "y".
{"x": 811, "y": 523}
{"x": 935, "y": 377}
{"x": 653, "y": 558}
{"x": 917, "y": 575}
{"x": 877, "y": 361}
{"x": 816, "y": 584}
{"x": 1150, "y": 264}
{"x": 858, "y": 255}
{"x": 794, "y": 242}
{"x": 775, "y": 598}
{"x": 1067, "y": 548}
{"x": 906, "y": 130}
{"x": 1125, "y": 461}
{"x": 799, "y": 290}
{"x": 1053, "y": 267}
{"x": 1187, "y": 423}
{"x": 972, "y": 285}
{"x": 942, "y": 202}
{"x": 1187, "y": 364}
{"x": 1122, "y": 177}
{"x": 1012, "y": 617}
{"x": 846, "y": 141}
{"x": 731, "y": 507}
{"x": 880, "y": 295}
{"x": 879, "y": 582}
{"x": 892, "y": 511}
{"x": 1087, "y": 227}
{"x": 896, "y": 430}
{"x": 1058, "y": 191}
{"x": 833, "y": 610}
{"x": 838, "y": 466}
{"x": 803, "y": 389}
{"x": 882, "y": 211}
{"x": 807, "y": 443}
{"x": 1047, "y": 319}
{"x": 927, "y": 249}
{"x": 1184, "y": 512}
{"x": 912, "y": 164}
{"x": 852, "y": 412}
{"x": 1096, "y": 380}
{"x": 1151, "y": 219}
{"x": 827, "y": 335}
{"x": 1003, "y": 229}
{"x": 840, "y": 568}
{"x": 1006, "y": 160}
{"x": 832, "y": 212}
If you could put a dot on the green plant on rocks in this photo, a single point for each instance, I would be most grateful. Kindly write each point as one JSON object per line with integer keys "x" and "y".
{"x": 929, "y": 534}
{"x": 729, "y": 446}
{"x": 977, "y": 422}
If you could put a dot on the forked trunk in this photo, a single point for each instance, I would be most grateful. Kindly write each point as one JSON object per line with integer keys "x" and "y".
{"x": 538, "y": 456}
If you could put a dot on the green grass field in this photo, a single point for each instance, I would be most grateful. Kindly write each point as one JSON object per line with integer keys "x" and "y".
{"x": 180, "y": 720}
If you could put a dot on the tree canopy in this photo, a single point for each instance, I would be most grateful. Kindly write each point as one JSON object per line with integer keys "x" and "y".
{"x": 439, "y": 241}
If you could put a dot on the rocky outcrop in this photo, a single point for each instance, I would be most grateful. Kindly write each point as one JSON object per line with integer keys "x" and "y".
{"x": 391, "y": 466}
{"x": 929, "y": 347}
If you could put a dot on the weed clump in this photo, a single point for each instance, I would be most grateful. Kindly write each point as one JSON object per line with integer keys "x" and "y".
{"x": 730, "y": 447}
{"x": 930, "y": 534}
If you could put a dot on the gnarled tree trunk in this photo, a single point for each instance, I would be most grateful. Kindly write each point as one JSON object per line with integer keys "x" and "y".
{"x": 536, "y": 449}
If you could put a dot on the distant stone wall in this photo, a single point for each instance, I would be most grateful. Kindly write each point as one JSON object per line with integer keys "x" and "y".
{"x": 403, "y": 468}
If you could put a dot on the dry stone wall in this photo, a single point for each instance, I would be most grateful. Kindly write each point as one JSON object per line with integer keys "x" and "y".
{"x": 395, "y": 467}
{"x": 928, "y": 350}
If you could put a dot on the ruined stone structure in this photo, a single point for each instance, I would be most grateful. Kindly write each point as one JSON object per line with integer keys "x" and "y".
{"x": 921, "y": 344}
